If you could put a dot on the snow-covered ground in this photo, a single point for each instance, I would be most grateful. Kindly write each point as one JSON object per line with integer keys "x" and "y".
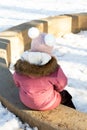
{"x": 72, "y": 48}
{"x": 13, "y": 12}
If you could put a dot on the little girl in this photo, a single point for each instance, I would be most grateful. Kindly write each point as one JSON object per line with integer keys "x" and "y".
{"x": 40, "y": 79}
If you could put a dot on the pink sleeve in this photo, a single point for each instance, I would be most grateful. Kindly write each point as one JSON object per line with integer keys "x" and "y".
{"x": 60, "y": 81}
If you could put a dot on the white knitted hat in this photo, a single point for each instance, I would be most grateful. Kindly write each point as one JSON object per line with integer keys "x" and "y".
{"x": 37, "y": 58}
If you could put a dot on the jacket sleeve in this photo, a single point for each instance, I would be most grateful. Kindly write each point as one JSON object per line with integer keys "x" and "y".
{"x": 60, "y": 81}
{"x": 15, "y": 80}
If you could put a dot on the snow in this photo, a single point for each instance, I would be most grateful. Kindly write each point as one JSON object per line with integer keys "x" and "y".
{"x": 19, "y": 11}
{"x": 71, "y": 48}
{"x": 10, "y": 122}
{"x": 72, "y": 56}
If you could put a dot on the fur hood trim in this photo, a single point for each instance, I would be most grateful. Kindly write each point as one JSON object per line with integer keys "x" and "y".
{"x": 25, "y": 68}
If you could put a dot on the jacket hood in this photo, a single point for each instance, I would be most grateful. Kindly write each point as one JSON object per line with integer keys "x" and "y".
{"x": 25, "y": 68}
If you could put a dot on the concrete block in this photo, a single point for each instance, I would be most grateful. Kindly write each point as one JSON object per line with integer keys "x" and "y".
{"x": 82, "y": 20}
{"x": 60, "y": 118}
{"x": 5, "y": 50}
{"x": 16, "y": 43}
{"x": 74, "y": 24}
{"x": 59, "y": 25}
{"x": 18, "y": 36}
{"x": 42, "y": 25}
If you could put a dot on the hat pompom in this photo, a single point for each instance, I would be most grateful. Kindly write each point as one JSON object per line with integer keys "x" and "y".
{"x": 33, "y": 32}
{"x": 49, "y": 39}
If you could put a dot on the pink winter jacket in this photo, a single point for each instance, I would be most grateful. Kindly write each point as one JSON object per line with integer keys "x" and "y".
{"x": 41, "y": 93}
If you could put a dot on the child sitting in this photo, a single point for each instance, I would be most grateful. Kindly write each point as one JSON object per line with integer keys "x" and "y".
{"x": 40, "y": 79}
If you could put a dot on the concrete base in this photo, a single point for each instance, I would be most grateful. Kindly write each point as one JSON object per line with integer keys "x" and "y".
{"x": 5, "y": 50}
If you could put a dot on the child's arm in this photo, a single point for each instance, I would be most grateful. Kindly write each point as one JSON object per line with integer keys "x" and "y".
{"x": 60, "y": 81}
